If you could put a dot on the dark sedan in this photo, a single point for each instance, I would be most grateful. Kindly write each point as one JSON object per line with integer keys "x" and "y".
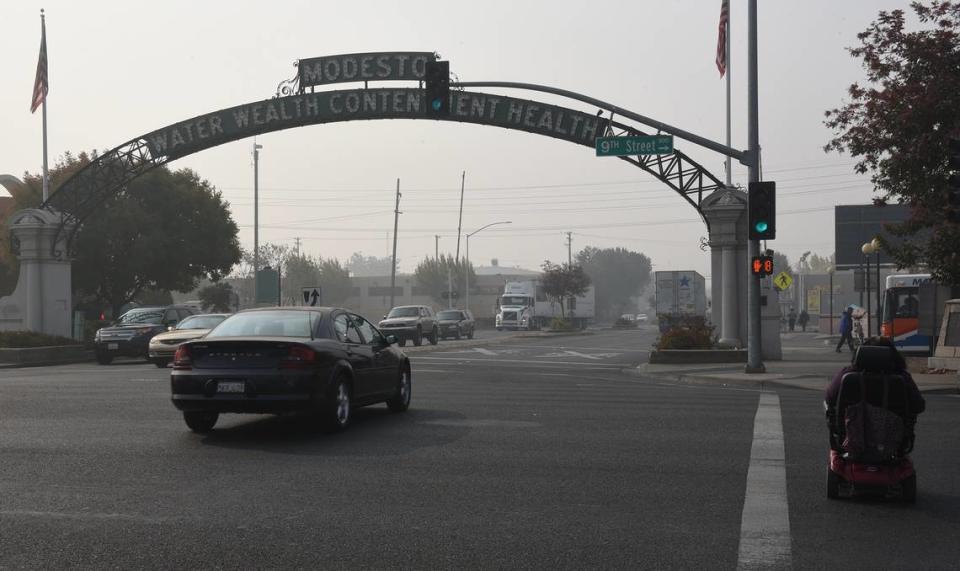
{"x": 324, "y": 361}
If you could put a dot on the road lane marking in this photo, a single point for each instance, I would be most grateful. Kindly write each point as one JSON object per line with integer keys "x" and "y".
{"x": 483, "y": 351}
{"x": 765, "y": 523}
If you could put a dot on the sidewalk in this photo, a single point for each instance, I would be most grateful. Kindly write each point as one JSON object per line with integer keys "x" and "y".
{"x": 809, "y": 362}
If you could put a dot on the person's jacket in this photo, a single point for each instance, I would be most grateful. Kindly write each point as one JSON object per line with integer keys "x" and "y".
{"x": 917, "y": 404}
{"x": 846, "y": 324}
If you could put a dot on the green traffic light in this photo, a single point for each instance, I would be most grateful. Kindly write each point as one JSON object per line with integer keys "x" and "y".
{"x": 436, "y": 103}
{"x": 761, "y": 226}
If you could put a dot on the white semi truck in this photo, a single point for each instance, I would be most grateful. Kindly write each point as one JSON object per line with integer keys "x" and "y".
{"x": 523, "y": 305}
{"x": 679, "y": 294}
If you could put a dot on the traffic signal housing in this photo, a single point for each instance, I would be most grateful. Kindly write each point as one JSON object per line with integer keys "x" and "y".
{"x": 437, "y": 87}
{"x": 761, "y": 210}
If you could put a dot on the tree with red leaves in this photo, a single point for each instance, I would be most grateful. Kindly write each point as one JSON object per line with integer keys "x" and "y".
{"x": 899, "y": 123}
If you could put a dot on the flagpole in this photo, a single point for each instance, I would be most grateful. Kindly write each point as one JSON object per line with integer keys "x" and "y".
{"x": 46, "y": 174}
{"x": 728, "y": 58}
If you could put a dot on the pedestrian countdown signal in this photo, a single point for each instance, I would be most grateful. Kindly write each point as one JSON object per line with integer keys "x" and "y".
{"x": 761, "y": 266}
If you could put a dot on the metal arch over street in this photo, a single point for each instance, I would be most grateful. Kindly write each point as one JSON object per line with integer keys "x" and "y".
{"x": 107, "y": 175}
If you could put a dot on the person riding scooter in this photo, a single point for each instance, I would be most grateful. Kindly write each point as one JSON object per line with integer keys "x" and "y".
{"x": 871, "y": 410}
{"x": 917, "y": 404}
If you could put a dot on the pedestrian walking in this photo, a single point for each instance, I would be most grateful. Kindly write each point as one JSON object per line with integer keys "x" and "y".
{"x": 846, "y": 329}
{"x": 803, "y": 319}
{"x": 792, "y": 319}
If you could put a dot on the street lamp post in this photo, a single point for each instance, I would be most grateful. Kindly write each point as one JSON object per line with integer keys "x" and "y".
{"x": 831, "y": 269}
{"x": 466, "y": 269}
{"x": 867, "y": 249}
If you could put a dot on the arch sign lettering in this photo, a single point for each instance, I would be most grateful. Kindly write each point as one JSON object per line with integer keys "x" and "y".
{"x": 299, "y": 104}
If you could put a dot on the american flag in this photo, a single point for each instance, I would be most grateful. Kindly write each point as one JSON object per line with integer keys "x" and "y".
{"x": 41, "y": 86}
{"x": 722, "y": 37}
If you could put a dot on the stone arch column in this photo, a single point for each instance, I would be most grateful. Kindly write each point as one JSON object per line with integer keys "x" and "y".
{"x": 725, "y": 211}
{"x": 42, "y": 300}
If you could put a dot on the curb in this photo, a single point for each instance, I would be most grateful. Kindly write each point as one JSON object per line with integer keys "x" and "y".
{"x": 802, "y": 382}
{"x": 490, "y": 341}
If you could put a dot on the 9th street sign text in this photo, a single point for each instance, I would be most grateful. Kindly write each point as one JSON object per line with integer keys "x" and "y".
{"x": 639, "y": 145}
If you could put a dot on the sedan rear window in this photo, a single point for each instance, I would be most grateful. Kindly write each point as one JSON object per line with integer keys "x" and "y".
{"x": 267, "y": 324}
{"x": 201, "y": 322}
{"x": 449, "y": 315}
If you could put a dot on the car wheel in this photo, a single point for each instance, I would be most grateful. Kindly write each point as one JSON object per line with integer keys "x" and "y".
{"x": 457, "y": 334}
{"x": 418, "y": 337}
{"x": 336, "y": 417}
{"x": 435, "y": 336}
{"x": 909, "y": 489}
{"x": 401, "y": 400}
{"x": 161, "y": 363}
{"x": 200, "y": 422}
{"x": 470, "y": 335}
{"x": 402, "y": 342}
{"x": 833, "y": 484}
{"x": 104, "y": 359}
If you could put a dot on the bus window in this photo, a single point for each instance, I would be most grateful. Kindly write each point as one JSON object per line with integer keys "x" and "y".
{"x": 901, "y": 303}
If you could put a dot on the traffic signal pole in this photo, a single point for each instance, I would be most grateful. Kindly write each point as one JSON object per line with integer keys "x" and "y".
{"x": 754, "y": 322}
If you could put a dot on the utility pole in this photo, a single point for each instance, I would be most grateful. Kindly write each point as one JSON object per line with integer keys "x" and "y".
{"x": 296, "y": 247}
{"x": 570, "y": 248}
{"x": 463, "y": 182}
{"x": 436, "y": 247}
{"x": 256, "y": 218}
{"x": 754, "y": 321}
{"x": 393, "y": 265}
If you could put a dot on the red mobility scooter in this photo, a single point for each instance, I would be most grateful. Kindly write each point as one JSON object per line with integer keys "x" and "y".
{"x": 872, "y": 430}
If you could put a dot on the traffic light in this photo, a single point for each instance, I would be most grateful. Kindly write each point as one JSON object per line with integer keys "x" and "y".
{"x": 761, "y": 266}
{"x": 437, "y": 79}
{"x": 762, "y": 211}
{"x": 953, "y": 183}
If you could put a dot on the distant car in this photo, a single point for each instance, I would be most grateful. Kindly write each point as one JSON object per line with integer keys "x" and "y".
{"x": 641, "y": 318}
{"x": 164, "y": 345}
{"x": 130, "y": 336}
{"x": 456, "y": 323}
{"x": 412, "y": 323}
{"x": 322, "y": 360}
{"x": 628, "y": 317}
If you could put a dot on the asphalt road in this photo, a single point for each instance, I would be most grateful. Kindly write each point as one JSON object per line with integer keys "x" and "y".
{"x": 538, "y": 453}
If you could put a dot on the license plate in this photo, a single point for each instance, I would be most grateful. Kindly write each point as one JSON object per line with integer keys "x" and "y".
{"x": 230, "y": 387}
{"x": 113, "y": 346}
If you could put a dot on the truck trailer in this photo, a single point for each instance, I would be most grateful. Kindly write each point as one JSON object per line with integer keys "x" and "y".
{"x": 523, "y": 305}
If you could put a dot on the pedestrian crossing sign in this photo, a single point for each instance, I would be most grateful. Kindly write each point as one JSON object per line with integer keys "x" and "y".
{"x": 783, "y": 281}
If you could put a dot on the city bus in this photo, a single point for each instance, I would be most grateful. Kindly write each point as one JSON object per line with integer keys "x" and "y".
{"x": 901, "y": 312}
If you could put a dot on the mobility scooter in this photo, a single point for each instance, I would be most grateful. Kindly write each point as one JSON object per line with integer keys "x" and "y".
{"x": 872, "y": 430}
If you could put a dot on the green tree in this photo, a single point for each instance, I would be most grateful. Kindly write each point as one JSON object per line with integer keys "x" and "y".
{"x": 300, "y": 271}
{"x": 335, "y": 281}
{"x": 899, "y": 123}
{"x": 781, "y": 263}
{"x": 432, "y": 274}
{"x": 814, "y": 264}
{"x": 360, "y": 265}
{"x": 217, "y": 297}
{"x": 617, "y": 274}
{"x": 164, "y": 231}
{"x": 561, "y": 282}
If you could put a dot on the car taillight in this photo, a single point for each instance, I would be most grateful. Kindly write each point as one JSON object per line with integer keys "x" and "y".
{"x": 298, "y": 357}
{"x": 182, "y": 359}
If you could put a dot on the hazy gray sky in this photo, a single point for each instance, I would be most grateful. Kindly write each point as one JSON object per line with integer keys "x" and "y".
{"x": 121, "y": 69}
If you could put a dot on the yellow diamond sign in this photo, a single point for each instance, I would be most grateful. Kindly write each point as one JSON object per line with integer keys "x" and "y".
{"x": 783, "y": 281}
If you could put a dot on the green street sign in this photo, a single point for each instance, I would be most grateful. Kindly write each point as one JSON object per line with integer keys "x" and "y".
{"x": 640, "y": 145}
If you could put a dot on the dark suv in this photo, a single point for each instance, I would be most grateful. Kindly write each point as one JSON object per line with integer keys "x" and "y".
{"x": 456, "y": 323}
{"x": 411, "y": 322}
{"x": 130, "y": 335}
